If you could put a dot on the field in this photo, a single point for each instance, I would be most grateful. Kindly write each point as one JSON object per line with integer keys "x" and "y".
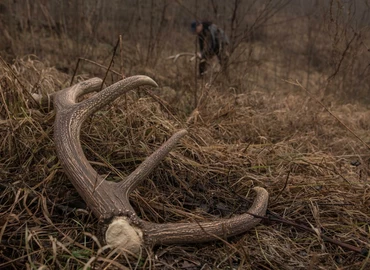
{"x": 292, "y": 116}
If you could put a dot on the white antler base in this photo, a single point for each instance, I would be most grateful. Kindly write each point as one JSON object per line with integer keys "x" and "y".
{"x": 122, "y": 235}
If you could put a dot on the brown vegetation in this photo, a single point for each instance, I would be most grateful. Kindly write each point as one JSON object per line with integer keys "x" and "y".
{"x": 293, "y": 118}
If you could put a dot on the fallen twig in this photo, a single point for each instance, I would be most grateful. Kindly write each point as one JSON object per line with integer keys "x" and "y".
{"x": 175, "y": 57}
{"x": 271, "y": 216}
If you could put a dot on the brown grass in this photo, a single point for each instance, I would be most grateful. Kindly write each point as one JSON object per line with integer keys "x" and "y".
{"x": 256, "y": 129}
{"x": 288, "y": 144}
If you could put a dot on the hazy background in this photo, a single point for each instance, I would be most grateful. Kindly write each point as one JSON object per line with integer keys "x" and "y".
{"x": 323, "y": 44}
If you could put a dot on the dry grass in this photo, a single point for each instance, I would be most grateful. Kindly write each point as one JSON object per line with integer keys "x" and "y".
{"x": 255, "y": 129}
{"x": 314, "y": 169}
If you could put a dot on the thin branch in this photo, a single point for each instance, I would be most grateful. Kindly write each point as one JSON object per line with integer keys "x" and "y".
{"x": 297, "y": 83}
{"x": 110, "y": 64}
{"x": 284, "y": 187}
{"x": 75, "y": 71}
{"x": 342, "y": 58}
{"x": 277, "y": 218}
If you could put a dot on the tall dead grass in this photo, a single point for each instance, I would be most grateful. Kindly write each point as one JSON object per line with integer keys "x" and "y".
{"x": 314, "y": 169}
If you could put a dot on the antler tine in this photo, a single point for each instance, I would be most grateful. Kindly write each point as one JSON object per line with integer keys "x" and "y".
{"x": 197, "y": 232}
{"x": 104, "y": 97}
{"x": 104, "y": 198}
{"x": 149, "y": 164}
{"x": 83, "y": 88}
{"x": 74, "y": 91}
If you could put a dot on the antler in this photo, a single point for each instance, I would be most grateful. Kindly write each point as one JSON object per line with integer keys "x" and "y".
{"x": 109, "y": 200}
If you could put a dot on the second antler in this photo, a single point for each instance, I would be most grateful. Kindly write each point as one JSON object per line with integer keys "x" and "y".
{"x": 109, "y": 200}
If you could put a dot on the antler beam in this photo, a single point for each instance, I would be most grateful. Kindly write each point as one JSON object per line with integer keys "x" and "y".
{"x": 109, "y": 200}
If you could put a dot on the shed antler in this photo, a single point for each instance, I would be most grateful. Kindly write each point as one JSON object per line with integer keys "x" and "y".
{"x": 111, "y": 200}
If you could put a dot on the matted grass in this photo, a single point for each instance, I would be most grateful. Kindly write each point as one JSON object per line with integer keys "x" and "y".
{"x": 314, "y": 169}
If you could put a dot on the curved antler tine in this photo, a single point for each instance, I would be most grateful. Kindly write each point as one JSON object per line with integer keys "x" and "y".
{"x": 103, "y": 197}
{"x": 170, "y": 233}
{"x": 70, "y": 94}
{"x": 85, "y": 87}
{"x": 112, "y": 92}
{"x": 147, "y": 166}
